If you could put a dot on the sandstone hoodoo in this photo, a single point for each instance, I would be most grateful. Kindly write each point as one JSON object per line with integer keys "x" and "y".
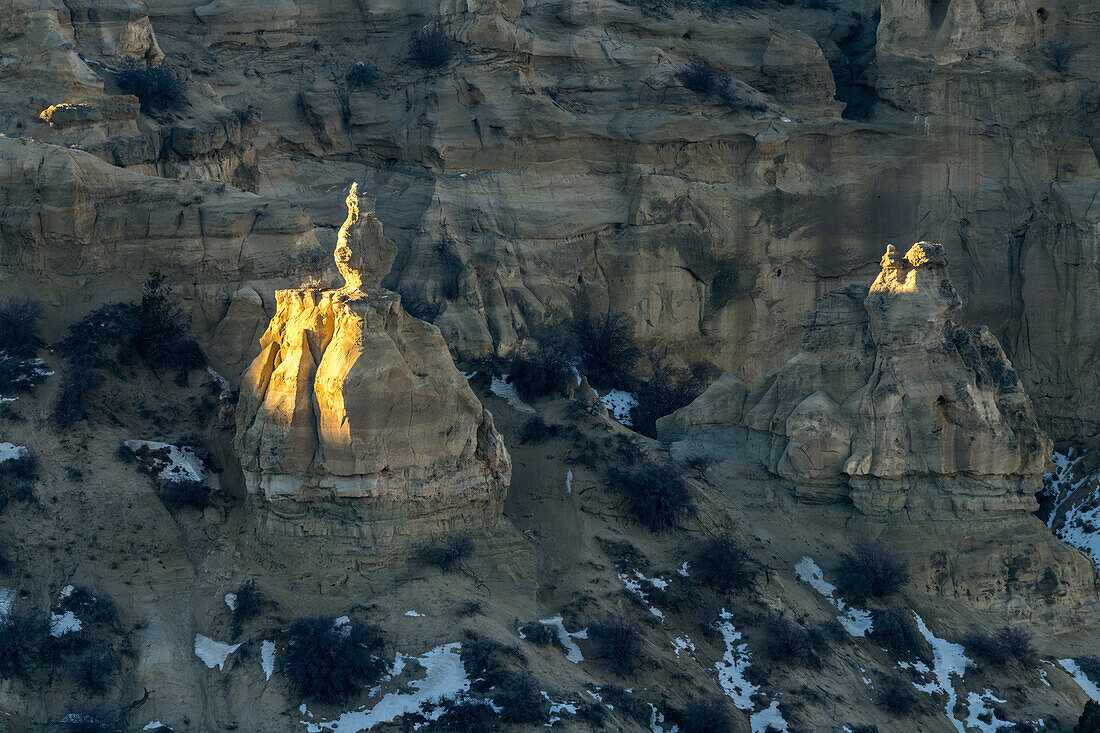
{"x": 353, "y": 402}
{"x": 920, "y": 423}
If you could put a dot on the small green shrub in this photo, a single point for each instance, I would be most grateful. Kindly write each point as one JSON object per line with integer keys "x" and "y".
{"x": 617, "y": 645}
{"x": 469, "y": 608}
{"x": 331, "y": 664}
{"x": 447, "y": 554}
{"x": 702, "y": 78}
{"x": 540, "y": 634}
{"x": 158, "y": 88}
{"x": 487, "y": 662}
{"x": 870, "y": 570}
{"x": 463, "y": 716}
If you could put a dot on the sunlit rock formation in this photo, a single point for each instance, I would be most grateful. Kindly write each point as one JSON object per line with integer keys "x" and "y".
{"x": 912, "y": 418}
{"x": 356, "y": 404}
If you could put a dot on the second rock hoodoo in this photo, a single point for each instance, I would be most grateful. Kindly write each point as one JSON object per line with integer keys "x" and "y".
{"x": 354, "y": 421}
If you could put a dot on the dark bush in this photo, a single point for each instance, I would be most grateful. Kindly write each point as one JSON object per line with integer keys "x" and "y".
{"x": 896, "y": 696}
{"x": 331, "y": 664}
{"x": 708, "y": 715}
{"x": 363, "y": 76}
{"x": 6, "y": 564}
{"x": 723, "y": 564}
{"x": 895, "y": 631}
{"x": 657, "y": 494}
{"x": 19, "y": 334}
{"x": 17, "y": 477}
{"x": 447, "y": 554}
{"x": 431, "y": 48}
{"x": 617, "y": 645}
{"x": 666, "y": 391}
{"x": 468, "y": 608}
{"x": 153, "y": 331}
{"x": 79, "y": 387}
{"x": 464, "y": 716}
{"x": 551, "y": 368}
{"x": 21, "y": 638}
{"x": 158, "y": 88}
{"x": 487, "y": 662}
{"x": 702, "y": 78}
{"x": 21, "y": 375}
{"x": 535, "y": 431}
{"x": 84, "y": 723}
{"x": 1089, "y": 722}
{"x": 540, "y": 634}
{"x": 89, "y": 607}
{"x": 522, "y": 702}
{"x": 249, "y": 604}
{"x": 626, "y": 704}
{"x": 97, "y": 668}
{"x": 1009, "y": 645}
{"x": 180, "y": 493}
{"x": 1091, "y": 667}
{"x": 1058, "y": 54}
{"x": 870, "y": 570}
{"x": 790, "y": 645}
{"x": 607, "y": 349}
{"x": 417, "y": 304}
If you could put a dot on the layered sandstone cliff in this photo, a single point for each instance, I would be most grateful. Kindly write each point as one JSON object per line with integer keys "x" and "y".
{"x": 353, "y": 403}
{"x": 921, "y": 423}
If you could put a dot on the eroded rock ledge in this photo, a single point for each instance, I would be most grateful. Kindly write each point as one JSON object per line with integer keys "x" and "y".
{"x": 355, "y": 409}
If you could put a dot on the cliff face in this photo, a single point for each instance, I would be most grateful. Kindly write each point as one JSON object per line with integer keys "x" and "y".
{"x": 560, "y": 150}
{"x": 353, "y": 402}
{"x": 922, "y": 424}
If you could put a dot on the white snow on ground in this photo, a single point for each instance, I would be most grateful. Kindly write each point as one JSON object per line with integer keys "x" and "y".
{"x": 1081, "y": 518}
{"x": 67, "y": 591}
{"x": 557, "y": 708}
{"x": 9, "y": 452}
{"x": 656, "y": 719}
{"x": 222, "y": 382}
{"x": 39, "y": 371}
{"x": 154, "y": 725}
{"x": 445, "y": 677}
{"x": 683, "y": 644}
{"x": 508, "y": 393}
{"x": 855, "y": 621}
{"x": 769, "y": 716}
{"x": 634, "y": 585}
{"x": 619, "y": 404}
{"x": 983, "y": 705}
{"x": 231, "y": 601}
{"x": 7, "y": 598}
{"x": 733, "y": 665}
{"x": 684, "y": 570}
{"x": 182, "y": 463}
{"x": 947, "y": 659}
{"x": 1087, "y": 686}
{"x": 572, "y": 651}
{"x": 414, "y": 614}
{"x": 65, "y": 623}
{"x": 213, "y": 653}
{"x": 267, "y": 658}
{"x": 569, "y": 481}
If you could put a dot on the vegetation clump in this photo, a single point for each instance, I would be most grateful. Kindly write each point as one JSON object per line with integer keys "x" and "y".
{"x": 550, "y": 368}
{"x": 896, "y": 696}
{"x": 17, "y": 477}
{"x": 431, "y": 48}
{"x": 790, "y": 645}
{"x": 706, "y": 715}
{"x": 617, "y": 645}
{"x": 362, "y": 76}
{"x": 870, "y": 570}
{"x": 19, "y": 327}
{"x": 247, "y": 604}
{"x": 1007, "y": 646}
{"x": 540, "y": 634}
{"x": 895, "y": 631}
{"x": 667, "y": 390}
{"x": 607, "y": 349}
{"x": 447, "y": 554}
{"x": 180, "y": 493}
{"x": 535, "y": 431}
{"x": 157, "y": 87}
{"x": 330, "y": 663}
{"x": 1058, "y": 54}
{"x": 21, "y": 635}
{"x": 79, "y": 388}
{"x": 723, "y": 563}
{"x": 521, "y": 700}
{"x": 657, "y": 495}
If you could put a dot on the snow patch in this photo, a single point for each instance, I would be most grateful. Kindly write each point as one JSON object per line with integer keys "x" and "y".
{"x": 231, "y": 601}
{"x": 683, "y": 644}
{"x": 1087, "y": 686}
{"x": 444, "y": 677}
{"x": 10, "y": 452}
{"x": 733, "y": 665}
{"x": 947, "y": 659}
{"x": 414, "y": 614}
{"x": 572, "y": 651}
{"x": 855, "y": 621}
{"x": 634, "y": 585}
{"x": 267, "y": 658}
{"x": 154, "y": 725}
{"x": 557, "y": 708}
{"x": 1081, "y": 498}
{"x": 656, "y": 718}
{"x": 619, "y": 404}
{"x": 769, "y": 717}
{"x": 569, "y": 481}
{"x": 981, "y": 706}
{"x": 65, "y": 623}
{"x": 213, "y": 653}
{"x": 179, "y": 464}
{"x": 684, "y": 570}
{"x": 507, "y": 392}
{"x": 7, "y": 599}
{"x": 226, "y": 391}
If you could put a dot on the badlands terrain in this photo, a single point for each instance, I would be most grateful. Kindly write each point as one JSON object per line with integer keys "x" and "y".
{"x": 478, "y": 365}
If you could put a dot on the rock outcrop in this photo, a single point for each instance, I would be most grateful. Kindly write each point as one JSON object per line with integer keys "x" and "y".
{"x": 354, "y": 407}
{"x": 919, "y": 422}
